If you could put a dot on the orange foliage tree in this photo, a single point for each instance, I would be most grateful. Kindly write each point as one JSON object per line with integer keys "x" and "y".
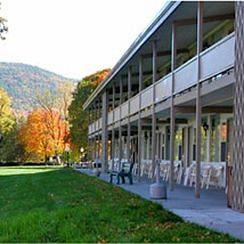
{"x": 78, "y": 118}
{"x": 44, "y": 134}
{"x": 95, "y": 79}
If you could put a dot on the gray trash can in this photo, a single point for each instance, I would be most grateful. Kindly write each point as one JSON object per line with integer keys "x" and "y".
{"x": 158, "y": 190}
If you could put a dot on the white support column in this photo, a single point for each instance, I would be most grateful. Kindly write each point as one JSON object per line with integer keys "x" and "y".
{"x": 97, "y": 137}
{"x": 120, "y": 126}
{"x": 172, "y": 109}
{"x": 148, "y": 145}
{"x": 198, "y": 100}
{"x": 104, "y": 131}
{"x": 139, "y": 144}
{"x": 158, "y": 144}
{"x": 154, "y": 69}
{"x": 128, "y": 124}
{"x": 113, "y": 132}
{"x": 142, "y": 145}
{"x": 88, "y": 137}
{"x": 93, "y": 120}
{"x": 161, "y": 143}
{"x": 97, "y": 131}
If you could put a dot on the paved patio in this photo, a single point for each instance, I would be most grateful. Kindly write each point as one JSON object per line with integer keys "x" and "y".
{"x": 210, "y": 210}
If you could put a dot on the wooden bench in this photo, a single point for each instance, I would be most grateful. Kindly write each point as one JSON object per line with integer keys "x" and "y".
{"x": 126, "y": 171}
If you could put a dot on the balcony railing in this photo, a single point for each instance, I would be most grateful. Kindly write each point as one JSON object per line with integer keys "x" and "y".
{"x": 134, "y": 104}
{"x": 218, "y": 57}
{"x": 124, "y": 110}
{"x": 213, "y": 61}
{"x": 147, "y": 97}
{"x": 117, "y": 114}
{"x": 163, "y": 88}
{"x": 185, "y": 76}
{"x": 110, "y": 117}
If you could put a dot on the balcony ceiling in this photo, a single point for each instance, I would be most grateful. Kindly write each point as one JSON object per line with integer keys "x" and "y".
{"x": 186, "y": 35}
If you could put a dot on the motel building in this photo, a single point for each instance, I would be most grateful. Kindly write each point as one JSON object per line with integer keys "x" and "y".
{"x": 176, "y": 97}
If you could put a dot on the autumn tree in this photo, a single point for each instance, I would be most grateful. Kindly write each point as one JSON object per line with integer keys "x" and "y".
{"x": 44, "y": 134}
{"x": 10, "y": 147}
{"x": 49, "y": 101}
{"x": 64, "y": 98}
{"x": 6, "y": 113}
{"x": 77, "y": 117}
{"x": 60, "y": 99}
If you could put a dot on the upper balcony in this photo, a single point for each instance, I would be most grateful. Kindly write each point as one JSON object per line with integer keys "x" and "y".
{"x": 213, "y": 61}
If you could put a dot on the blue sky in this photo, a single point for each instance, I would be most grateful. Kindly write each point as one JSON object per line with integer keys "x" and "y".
{"x": 73, "y": 37}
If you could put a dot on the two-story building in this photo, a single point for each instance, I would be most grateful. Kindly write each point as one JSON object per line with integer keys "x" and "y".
{"x": 176, "y": 97}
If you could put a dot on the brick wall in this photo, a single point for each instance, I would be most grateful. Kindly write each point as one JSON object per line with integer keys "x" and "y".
{"x": 238, "y": 140}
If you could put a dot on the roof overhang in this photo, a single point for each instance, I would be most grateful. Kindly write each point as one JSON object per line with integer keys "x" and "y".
{"x": 166, "y": 11}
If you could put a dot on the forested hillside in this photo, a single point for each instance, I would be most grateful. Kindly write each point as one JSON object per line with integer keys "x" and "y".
{"x": 22, "y": 80}
{"x": 43, "y": 113}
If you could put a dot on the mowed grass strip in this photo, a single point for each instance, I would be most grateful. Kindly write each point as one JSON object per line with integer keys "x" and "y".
{"x": 61, "y": 205}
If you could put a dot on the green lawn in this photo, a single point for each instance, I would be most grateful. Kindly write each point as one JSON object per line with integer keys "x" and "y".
{"x": 60, "y": 205}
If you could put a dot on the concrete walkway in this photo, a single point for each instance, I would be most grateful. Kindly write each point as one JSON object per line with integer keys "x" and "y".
{"x": 210, "y": 210}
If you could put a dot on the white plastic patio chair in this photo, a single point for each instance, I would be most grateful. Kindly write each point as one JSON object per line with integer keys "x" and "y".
{"x": 205, "y": 176}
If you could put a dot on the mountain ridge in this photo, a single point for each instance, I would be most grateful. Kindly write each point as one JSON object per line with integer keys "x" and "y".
{"x": 20, "y": 79}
